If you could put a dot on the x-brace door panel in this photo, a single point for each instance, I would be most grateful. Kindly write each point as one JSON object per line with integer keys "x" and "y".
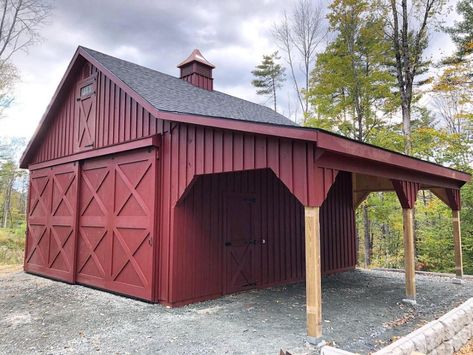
{"x": 51, "y": 233}
{"x": 116, "y": 223}
{"x": 242, "y": 246}
{"x": 85, "y": 114}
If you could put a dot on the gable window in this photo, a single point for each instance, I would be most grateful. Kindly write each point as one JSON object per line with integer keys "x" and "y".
{"x": 87, "y": 90}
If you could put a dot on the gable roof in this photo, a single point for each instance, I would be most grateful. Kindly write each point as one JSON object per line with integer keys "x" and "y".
{"x": 121, "y": 72}
{"x": 169, "y": 93}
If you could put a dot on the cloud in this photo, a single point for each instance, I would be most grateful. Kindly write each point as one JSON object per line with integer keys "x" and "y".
{"x": 159, "y": 34}
{"x": 233, "y": 35}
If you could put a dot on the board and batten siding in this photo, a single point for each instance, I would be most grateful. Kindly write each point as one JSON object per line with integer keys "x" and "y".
{"x": 198, "y": 260}
{"x": 188, "y": 151}
{"x": 118, "y": 118}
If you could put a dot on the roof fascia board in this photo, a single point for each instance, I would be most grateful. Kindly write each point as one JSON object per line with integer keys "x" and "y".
{"x": 218, "y": 122}
{"x": 242, "y": 126}
{"x": 362, "y": 166}
{"x": 355, "y": 149}
{"x": 323, "y": 139}
{"x": 41, "y": 124}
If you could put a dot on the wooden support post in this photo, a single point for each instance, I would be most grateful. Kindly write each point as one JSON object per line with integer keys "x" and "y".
{"x": 313, "y": 275}
{"x": 457, "y": 240}
{"x": 409, "y": 255}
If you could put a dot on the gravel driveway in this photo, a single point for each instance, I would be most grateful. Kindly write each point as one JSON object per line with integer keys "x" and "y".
{"x": 362, "y": 312}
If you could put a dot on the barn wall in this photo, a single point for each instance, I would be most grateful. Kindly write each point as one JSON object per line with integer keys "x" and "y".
{"x": 118, "y": 119}
{"x": 337, "y": 227}
{"x": 189, "y": 150}
{"x": 198, "y": 259}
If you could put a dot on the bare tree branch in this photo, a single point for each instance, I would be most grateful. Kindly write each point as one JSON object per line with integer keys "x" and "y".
{"x": 19, "y": 25}
{"x": 299, "y": 36}
{"x": 21, "y": 20}
{"x": 408, "y": 46}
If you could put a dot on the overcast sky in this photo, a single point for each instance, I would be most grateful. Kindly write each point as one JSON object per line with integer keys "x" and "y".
{"x": 233, "y": 35}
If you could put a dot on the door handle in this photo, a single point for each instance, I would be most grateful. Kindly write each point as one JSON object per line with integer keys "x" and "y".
{"x": 227, "y": 244}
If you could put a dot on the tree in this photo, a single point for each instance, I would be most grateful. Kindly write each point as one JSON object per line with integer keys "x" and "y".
{"x": 20, "y": 21}
{"x": 269, "y": 76}
{"x": 299, "y": 35}
{"x": 13, "y": 183}
{"x": 409, "y": 43}
{"x": 7, "y": 178}
{"x": 462, "y": 31}
{"x": 452, "y": 91}
{"x": 19, "y": 25}
{"x": 452, "y": 94}
{"x": 351, "y": 84}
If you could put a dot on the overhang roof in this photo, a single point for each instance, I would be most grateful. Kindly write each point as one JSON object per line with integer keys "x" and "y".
{"x": 167, "y": 97}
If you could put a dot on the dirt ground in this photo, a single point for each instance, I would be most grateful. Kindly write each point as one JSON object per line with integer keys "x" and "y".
{"x": 362, "y": 312}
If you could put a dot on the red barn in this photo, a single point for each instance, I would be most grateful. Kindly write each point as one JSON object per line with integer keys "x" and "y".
{"x": 164, "y": 189}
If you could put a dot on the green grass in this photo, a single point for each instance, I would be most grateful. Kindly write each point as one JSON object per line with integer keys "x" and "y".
{"x": 12, "y": 245}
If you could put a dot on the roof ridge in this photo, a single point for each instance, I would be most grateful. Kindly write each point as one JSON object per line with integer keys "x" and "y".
{"x": 133, "y": 63}
{"x": 183, "y": 81}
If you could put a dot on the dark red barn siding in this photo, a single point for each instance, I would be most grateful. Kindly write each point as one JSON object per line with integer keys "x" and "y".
{"x": 337, "y": 227}
{"x": 117, "y": 223}
{"x": 276, "y": 170}
{"x": 190, "y": 150}
{"x": 52, "y": 223}
{"x": 198, "y": 267}
{"x": 117, "y": 117}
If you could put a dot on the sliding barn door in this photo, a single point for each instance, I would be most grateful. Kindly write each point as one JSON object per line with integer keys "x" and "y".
{"x": 117, "y": 223}
{"x": 51, "y": 232}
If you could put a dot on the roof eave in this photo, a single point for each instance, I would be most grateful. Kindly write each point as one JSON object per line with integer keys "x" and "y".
{"x": 80, "y": 52}
{"x": 24, "y": 160}
{"x": 324, "y": 140}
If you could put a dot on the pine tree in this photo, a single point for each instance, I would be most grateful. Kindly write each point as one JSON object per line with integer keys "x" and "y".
{"x": 269, "y": 76}
{"x": 462, "y": 31}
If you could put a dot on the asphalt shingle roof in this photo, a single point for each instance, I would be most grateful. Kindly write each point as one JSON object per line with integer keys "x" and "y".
{"x": 168, "y": 93}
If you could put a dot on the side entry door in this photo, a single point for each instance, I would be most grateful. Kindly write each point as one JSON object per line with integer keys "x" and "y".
{"x": 241, "y": 245}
